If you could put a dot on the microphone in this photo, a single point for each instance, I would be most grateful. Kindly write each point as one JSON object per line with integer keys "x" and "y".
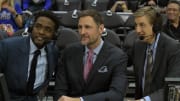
{"x": 143, "y": 37}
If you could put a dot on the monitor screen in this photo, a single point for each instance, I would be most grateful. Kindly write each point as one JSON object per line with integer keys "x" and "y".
{"x": 4, "y": 94}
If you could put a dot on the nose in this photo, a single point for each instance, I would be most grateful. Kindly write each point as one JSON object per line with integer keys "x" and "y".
{"x": 138, "y": 30}
{"x": 41, "y": 31}
{"x": 82, "y": 31}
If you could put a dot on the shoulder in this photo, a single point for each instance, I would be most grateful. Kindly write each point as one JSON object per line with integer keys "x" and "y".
{"x": 167, "y": 39}
{"x": 113, "y": 50}
{"x": 168, "y": 42}
{"x": 13, "y": 40}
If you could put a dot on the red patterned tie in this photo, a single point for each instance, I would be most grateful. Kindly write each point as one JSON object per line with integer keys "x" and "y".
{"x": 88, "y": 64}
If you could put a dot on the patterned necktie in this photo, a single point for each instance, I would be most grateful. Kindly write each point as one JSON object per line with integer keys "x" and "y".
{"x": 148, "y": 76}
{"x": 88, "y": 64}
{"x": 32, "y": 73}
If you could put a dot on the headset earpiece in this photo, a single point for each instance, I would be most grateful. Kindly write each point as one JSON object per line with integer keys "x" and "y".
{"x": 157, "y": 24}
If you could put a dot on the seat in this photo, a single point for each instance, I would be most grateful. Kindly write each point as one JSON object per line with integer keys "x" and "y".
{"x": 70, "y": 19}
{"x": 133, "y": 5}
{"x": 129, "y": 24}
{"x": 128, "y": 48}
{"x": 68, "y": 5}
{"x": 21, "y": 32}
{"x": 66, "y": 36}
{"x": 111, "y": 36}
{"x": 112, "y": 20}
{"x": 100, "y": 5}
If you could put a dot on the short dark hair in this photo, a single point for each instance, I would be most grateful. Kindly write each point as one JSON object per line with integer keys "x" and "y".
{"x": 174, "y": 2}
{"x": 94, "y": 14}
{"x": 48, "y": 14}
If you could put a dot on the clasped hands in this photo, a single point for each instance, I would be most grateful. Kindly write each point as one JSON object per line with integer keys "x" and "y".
{"x": 67, "y": 98}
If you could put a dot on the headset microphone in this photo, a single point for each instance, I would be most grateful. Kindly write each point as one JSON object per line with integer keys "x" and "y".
{"x": 141, "y": 37}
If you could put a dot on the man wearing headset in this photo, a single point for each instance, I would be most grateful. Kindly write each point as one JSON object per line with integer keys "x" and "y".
{"x": 24, "y": 77}
{"x": 154, "y": 56}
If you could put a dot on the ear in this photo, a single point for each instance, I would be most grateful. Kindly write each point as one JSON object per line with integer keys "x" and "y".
{"x": 101, "y": 28}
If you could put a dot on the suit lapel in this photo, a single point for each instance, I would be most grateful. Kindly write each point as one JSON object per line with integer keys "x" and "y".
{"x": 141, "y": 55}
{"x": 23, "y": 53}
{"x": 79, "y": 64}
{"x": 101, "y": 57}
{"x": 159, "y": 53}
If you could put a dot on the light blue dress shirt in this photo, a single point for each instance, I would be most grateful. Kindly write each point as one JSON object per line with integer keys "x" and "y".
{"x": 41, "y": 65}
{"x": 153, "y": 47}
{"x": 96, "y": 52}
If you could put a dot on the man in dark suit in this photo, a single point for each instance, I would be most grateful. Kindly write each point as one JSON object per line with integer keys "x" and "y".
{"x": 16, "y": 56}
{"x": 106, "y": 80}
{"x": 155, "y": 56}
{"x": 172, "y": 26}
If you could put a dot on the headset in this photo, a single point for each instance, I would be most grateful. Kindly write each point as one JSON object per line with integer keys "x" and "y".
{"x": 156, "y": 18}
{"x": 158, "y": 21}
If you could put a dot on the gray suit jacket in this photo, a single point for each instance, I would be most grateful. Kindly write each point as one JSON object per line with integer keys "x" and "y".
{"x": 107, "y": 80}
{"x": 167, "y": 63}
{"x": 14, "y": 60}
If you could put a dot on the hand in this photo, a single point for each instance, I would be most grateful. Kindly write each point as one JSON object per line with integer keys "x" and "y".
{"x": 66, "y": 98}
{"x": 10, "y": 9}
{"x": 120, "y": 2}
{"x": 134, "y": 100}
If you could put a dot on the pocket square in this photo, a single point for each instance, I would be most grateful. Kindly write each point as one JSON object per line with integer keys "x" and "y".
{"x": 103, "y": 69}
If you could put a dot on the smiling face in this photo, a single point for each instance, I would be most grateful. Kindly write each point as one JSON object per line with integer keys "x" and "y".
{"x": 43, "y": 31}
{"x": 90, "y": 32}
{"x": 173, "y": 12}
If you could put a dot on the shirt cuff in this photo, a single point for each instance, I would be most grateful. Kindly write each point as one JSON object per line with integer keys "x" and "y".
{"x": 147, "y": 98}
{"x": 81, "y": 99}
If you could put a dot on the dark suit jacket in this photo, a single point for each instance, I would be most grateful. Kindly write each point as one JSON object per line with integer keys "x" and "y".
{"x": 167, "y": 63}
{"x": 14, "y": 60}
{"x": 110, "y": 84}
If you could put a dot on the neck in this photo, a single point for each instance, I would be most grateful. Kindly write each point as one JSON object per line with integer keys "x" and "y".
{"x": 152, "y": 39}
{"x": 175, "y": 23}
{"x": 94, "y": 45}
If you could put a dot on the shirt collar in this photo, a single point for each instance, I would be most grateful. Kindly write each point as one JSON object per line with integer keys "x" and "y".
{"x": 33, "y": 48}
{"x": 97, "y": 49}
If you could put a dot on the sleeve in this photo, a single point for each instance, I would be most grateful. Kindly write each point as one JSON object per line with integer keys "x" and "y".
{"x": 25, "y": 4}
{"x": 147, "y": 98}
{"x": 48, "y": 4}
{"x": 18, "y": 8}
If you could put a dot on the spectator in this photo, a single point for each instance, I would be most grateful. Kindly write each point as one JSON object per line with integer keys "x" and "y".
{"x": 102, "y": 77}
{"x": 29, "y": 62}
{"x": 36, "y": 5}
{"x": 117, "y": 6}
{"x": 160, "y": 3}
{"x": 10, "y": 16}
{"x": 155, "y": 56}
{"x": 172, "y": 26}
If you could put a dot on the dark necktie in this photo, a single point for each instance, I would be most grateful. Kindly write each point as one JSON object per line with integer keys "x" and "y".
{"x": 32, "y": 73}
{"x": 148, "y": 76}
{"x": 88, "y": 64}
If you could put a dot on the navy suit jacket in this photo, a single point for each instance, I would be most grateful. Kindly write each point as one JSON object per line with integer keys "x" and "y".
{"x": 14, "y": 60}
{"x": 167, "y": 63}
{"x": 107, "y": 80}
